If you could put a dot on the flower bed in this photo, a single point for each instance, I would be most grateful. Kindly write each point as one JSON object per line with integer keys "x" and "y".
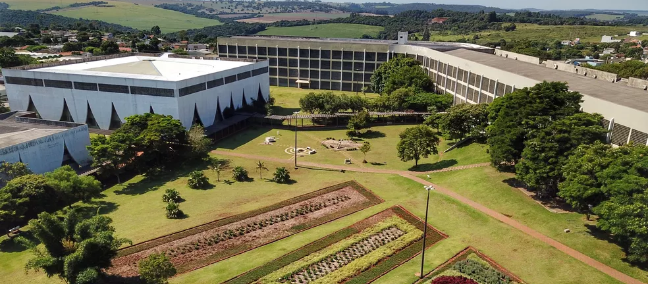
{"x": 473, "y": 265}
{"x": 367, "y": 246}
{"x": 199, "y": 246}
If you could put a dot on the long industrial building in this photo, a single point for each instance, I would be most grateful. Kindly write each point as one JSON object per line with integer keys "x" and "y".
{"x": 472, "y": 73}
{"x": 101, "y": 92}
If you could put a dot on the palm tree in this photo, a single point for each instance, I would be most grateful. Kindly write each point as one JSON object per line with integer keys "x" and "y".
{"x": 217, "y": 167}
{"x": 260, "y": 166}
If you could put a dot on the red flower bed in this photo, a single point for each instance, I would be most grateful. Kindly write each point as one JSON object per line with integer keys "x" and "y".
{"x": 453, "y": 280}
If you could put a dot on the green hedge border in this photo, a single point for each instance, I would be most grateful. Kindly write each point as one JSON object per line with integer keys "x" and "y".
{"x": 373, "y": 273}
{"x": 461, "y": 256}
{"x": 233, "y": 251}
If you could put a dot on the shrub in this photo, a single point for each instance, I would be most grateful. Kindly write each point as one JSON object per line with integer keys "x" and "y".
{"x": 453, "y": 280}
{"x": 171, "y": 195}
{"x": 281, "y": 175}
{"x": 173, "y": 210}
{"x": 480, "y": 272}
{"x": 240, "y": 174}
{"x": 156, "y": 269}
{"x": 197, "y": 180}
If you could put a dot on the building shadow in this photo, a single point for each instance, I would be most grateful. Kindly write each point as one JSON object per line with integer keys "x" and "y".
{"x": 434, "y": 166}
{"x": 370, "y": 134}
{"x": 12, "y": 245}
{"x": 605, "y": 236}
{"x": 278, "y": 110}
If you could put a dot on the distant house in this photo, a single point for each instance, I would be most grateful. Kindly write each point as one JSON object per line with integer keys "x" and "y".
{"x": 609, "y": 51}
{"x": 125, "y": 49}
{"x": 438, "y": 20}
{"x": 635, "y": 33}
{"x": 566, "y": 42}
{"x": 196, "y": 46}
{"x": 607, "y": 38}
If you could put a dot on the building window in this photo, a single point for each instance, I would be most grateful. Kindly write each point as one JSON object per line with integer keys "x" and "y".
{"x": 260, "y": 71}
{"x": 325, "y": 54}
{"x": 58, "y": 84}
{"x": 189, "y": 89}
{"x": 85, "y": 86}
{"x": 293, "y": 52}
{"x": 244, "y": 75}
{"x": 24, "y": 81}
{"x": 113, "y": 88}
{"x": 215, "y": 83}
{"x": 223, "y": 49}
{"x": 158, "y": 92}
{"x": 231, "y": 79}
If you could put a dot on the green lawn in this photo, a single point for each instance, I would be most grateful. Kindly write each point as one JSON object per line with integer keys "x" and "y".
{"x": 139, "y": 16}
{"x": 537, "y": 32}
{"x": 325, "y": 30}
{"x": 383, "y": 154}
{"x": 490, "y": 188}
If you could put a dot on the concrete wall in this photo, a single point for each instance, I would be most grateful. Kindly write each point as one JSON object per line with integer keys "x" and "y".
{"x": 517, "y": 56}
{"x": 587, "y": 72}
{"x": 45, "y": 154}
{"x": 637, "y": 83}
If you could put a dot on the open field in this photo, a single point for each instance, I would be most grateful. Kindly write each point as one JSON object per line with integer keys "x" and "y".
{"x": 492, "y": 189}
{"x": 139, "y": 16}
{"x": 325, "y": 30}
{"x": 537, "y": 32}
{"x": 383, "y": 154}
{"x": 275, "y": 17}
{"x": 40, "y": 4}
{"x": 604, "y": 17}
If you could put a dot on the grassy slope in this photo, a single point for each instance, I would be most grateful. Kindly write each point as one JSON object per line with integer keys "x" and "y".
{"x": 325, "y": 30}
{"x": 40, "y": 4}
{"x": 139, "y": 16}
{"x": 537, "y": 32}
{"x": 510, "y": 201}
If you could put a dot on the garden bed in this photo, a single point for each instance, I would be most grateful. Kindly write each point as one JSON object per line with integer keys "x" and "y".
{"x": 470, "y": 266}
{"x": 208, "y": 243}
{"x": 360, "y": 253}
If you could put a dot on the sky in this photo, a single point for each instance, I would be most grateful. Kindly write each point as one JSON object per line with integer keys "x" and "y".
{"x": 543, "y": 4}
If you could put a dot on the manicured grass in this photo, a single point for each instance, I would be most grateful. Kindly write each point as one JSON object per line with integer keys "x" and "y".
{"x": 139, "y": 16}
{"x": 490, "y": 188}
{"x": 539, "y": 32}
{"x": 383, "y": 141}
{"x": 532, "y": 260}
{"x": 287, "y": 99}
{"x": 325, "y": 30}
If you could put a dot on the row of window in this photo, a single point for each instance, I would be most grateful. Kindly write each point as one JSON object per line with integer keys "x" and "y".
{"x": 110, "y": 88}
{"x": 303, "y": 53}
{"x": 315, "y": 74}
{"x": 322, "y": 85}
{"x": 221, "y": 81}
{"x": 322, "y": 64}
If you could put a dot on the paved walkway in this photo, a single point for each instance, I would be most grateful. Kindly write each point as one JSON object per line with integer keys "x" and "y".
{"x": 494, "y": 214}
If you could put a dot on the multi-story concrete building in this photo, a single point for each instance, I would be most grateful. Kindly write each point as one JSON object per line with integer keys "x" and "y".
{"x": 103, "y": 91}
{"x": 472, "y": 73}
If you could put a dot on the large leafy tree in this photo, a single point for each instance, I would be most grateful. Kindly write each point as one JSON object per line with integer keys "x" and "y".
{"x": 74, "y": 248}
{"x": 9, "y": 171}
{"x": 198, "y": 142}
{"x": 399, "y": 72}
{"x": 515, "y": 116}
{"x": 359, "y": 121}
{"x": 28, "y": 195}
{"x": 71, "y": 187}
{"x": 113, "y": 153}
{"x": 547, "y": 150}
{"x": 417, "y": 142}
{"x": 615, "y": 182}
{"x": 462, "y": 120}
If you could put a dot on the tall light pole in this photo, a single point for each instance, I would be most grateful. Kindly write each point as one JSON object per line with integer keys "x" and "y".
{"x": 424, "y": 235}
{"x": 295, "y": 147}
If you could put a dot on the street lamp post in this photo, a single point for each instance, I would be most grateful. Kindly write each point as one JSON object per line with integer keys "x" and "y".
{"x": 424, "y": 235}
{"x": 295, "y": 147}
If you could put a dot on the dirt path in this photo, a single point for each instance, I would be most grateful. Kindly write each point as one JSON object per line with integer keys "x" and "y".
{"x": 494, "y": 214}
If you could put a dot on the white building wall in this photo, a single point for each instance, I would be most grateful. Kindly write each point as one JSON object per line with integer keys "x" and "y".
{"x": 45, "y": 154}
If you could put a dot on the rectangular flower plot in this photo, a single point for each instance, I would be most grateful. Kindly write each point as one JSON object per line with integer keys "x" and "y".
{"x": 470, "y": 267}
{"x": 360, "y": 253}
{"x": 212, "y": 242}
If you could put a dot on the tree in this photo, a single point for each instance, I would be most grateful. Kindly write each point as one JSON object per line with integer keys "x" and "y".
{"x": 71, "y": 187}
{"x": 34, "y": 193}
{"x": 13, "y": 170}
{"x": 197, "y": 180}
{"x": 417, "y": 142}
{"x": 581, "y": 186}
{"x": 281, "y": 175}
{"x": 111, "y": 154}
{"x": 156, "y": 269}
{"x": 156, "y": 30}
{"x": 239, "y": 174}
{"x": 426, "y": 36}
{"x": 198, "y": 142}
{"x": 547, "y": 150}
{"x": 260, "y": 166}
{"x": 626, "y": 218}
{"x": 74, "y": 248}
{"x": 9, "y": 58}
{"x": 411, "y": 76}
{"x": 360, "y": 120}
{"x": 109, "y": 47}
{"x": 395, "y": 71}
{"x": 514, "y": 116}
{"x": 217, "y": 167}
{"x": 365, "y": 148}
{"x": 461, "y": 120}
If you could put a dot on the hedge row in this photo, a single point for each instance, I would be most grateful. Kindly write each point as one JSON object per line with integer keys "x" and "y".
{"x": 372, "y": 200}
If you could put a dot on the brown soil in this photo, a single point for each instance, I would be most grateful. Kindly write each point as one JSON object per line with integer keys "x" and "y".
{"x": 127, "y": 266}
{"x": 342, "y": 145}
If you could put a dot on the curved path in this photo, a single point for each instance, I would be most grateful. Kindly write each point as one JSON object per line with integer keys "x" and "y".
{"x": 494, "y": 214}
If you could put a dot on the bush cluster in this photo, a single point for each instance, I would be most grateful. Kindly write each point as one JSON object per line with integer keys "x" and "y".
{"x": 173, "y": 210}
{"x": 281, "y": 175}
{"x": 240, "y": 174}
{"x": 453, "y": 280}
{"x": 171, "y": 195}
{"x": 197, "y": 180}
{"x": 481, "y": 272}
